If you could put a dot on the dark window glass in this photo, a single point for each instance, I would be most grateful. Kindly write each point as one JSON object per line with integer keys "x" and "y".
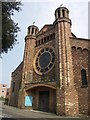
{"x": 44, "y": 59}
{"x": 41, "y": 41}
{"x": 41, "y": 70}
{"x": 50, "y": 50}
{"x": 28, "y": 30}
{"x": 51, "y": 65}
{"x": 32, "y": 30}
{"x": 45, "y": 56}
{"x": 35, "y": 31}
{"x": 51, "y": 36}
{"x": 39, "y": 54}
{"x": 84, "y": 77}
{"x": 37, "y": 59}
{"x": 47, "y": 38}
{"x": 63, "y": 13}
{"x": 47, "y": 49}
{"x": 38, "y": 68}
{"x": 58, "y": 14}
{"x": 36, "y": 64}
{"x": 42, "y": 50}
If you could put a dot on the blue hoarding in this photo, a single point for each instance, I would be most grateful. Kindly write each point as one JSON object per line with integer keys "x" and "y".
{"x": 28, "y": 100}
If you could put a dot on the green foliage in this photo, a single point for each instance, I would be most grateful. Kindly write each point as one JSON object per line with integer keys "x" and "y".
{"x": 9, "y": 27}
{"x": 2, "y": 98}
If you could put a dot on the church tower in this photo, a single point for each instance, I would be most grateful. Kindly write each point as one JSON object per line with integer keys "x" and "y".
{"x": 67, "y": 103}
{"x": 30, "y": 42}
{"x": 29, "y": 52}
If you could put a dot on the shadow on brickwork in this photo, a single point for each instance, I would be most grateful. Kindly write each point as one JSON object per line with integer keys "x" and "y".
{"x": 89, "y": 81}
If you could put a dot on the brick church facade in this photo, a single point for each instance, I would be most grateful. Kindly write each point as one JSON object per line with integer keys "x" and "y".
{"x": 55, "y": 73}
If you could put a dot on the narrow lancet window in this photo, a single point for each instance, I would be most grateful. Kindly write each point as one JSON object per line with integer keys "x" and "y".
{"x": 84, "y": 78}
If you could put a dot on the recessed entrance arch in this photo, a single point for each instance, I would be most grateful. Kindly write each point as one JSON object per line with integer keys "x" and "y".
{"x": 44, "y": 97}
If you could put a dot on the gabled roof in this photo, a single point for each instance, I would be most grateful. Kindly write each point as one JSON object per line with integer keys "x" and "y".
{"x": 45, "y": 28}
{"x": 19, "y": 66}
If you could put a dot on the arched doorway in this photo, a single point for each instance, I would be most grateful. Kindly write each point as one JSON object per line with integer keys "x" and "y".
{"x": 44, "y": 98}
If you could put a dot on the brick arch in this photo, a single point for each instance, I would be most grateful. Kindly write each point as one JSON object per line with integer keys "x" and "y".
{"x": 74, "y": 48}
{"x": 85, "y": 49}
{"x": 40, "y": 85}
{"x": 79, "y": 49}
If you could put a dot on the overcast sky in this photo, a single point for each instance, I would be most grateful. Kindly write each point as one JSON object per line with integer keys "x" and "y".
{"x": 41, "y": 13}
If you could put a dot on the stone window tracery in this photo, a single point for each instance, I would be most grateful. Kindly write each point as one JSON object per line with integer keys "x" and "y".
{"x": 44, "y": 60}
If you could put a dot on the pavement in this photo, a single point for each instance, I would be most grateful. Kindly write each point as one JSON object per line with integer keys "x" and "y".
{"x": 8, "y": 112}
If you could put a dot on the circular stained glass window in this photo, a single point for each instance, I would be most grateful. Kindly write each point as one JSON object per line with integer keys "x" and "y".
{"x": 44, "y": 60}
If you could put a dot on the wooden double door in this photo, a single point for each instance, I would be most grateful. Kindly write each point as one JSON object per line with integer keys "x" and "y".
{"x": 44, "y": 101}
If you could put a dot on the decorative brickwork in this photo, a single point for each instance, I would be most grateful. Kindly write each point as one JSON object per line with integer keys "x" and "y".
{"x": 56, "y": 69}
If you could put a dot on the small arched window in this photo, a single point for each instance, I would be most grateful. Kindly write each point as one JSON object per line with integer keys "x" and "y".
{"x": 32, "y": 31}
{"x": 79, "y": 49}
{"x": 84, "y": 78}
{"x": 39, "y": 42}
{"x": 63, "y": 13}
{"x": 51, "y": 36}
{"x": 45, "y": 40}
{"x": 73, "y": 48}
{"x": 35, "y": 31}
{"x": 58, "y": 14}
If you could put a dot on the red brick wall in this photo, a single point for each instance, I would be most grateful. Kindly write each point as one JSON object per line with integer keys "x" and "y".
{"x": 16, "y": 78}
{"x": 80, "y": 61}
{"x": 89, "y": 83}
